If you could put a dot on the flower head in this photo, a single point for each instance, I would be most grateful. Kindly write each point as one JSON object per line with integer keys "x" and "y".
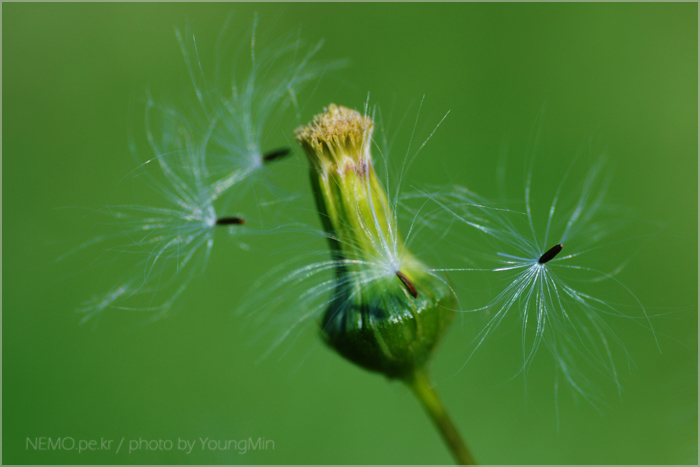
{"x": 388, "y": 310}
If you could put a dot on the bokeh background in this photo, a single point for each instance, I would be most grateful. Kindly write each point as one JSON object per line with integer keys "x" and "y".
{"x": 76, "y": 74}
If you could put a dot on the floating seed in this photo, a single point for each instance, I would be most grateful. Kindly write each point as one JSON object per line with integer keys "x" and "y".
{"x": 230, "y": 221}
{"x": 408, "y": 284}
{"x": 550, "y": 254}
{"x": 276, "y": 154}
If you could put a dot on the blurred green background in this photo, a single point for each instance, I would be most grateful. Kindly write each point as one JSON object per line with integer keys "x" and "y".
{"x": 74, "y": 76}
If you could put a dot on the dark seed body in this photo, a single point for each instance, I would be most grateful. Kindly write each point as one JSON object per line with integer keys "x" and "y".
{"x": 276, "y": 154}
{"x": 550, "y": 254}
{"x": 230, "y": 221}
{"x": 408, "y": 284}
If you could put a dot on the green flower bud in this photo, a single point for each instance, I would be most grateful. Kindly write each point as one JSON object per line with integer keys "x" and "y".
{"x": 388, "y": 310}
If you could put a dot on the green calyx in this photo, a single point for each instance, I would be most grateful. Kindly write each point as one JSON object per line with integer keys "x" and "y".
{"x": 388, "y": 310}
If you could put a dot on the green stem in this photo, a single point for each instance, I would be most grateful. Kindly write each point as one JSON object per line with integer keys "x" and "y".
{"x": 423, "y": 389}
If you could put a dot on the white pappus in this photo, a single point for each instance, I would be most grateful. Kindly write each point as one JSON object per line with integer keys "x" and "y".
{"x": 545, "y": 261}
{"x": 200, "y": 156}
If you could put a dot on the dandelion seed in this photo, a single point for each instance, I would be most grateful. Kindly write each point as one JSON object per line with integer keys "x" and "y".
{"x": 230, "y": 221}
{"x": 550, "y": 254}
{"x": 202, "y": 159}
{"x": 554, "y": 296}
{"x": 408, "y": 284}
{"x": 276, "y": 154}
